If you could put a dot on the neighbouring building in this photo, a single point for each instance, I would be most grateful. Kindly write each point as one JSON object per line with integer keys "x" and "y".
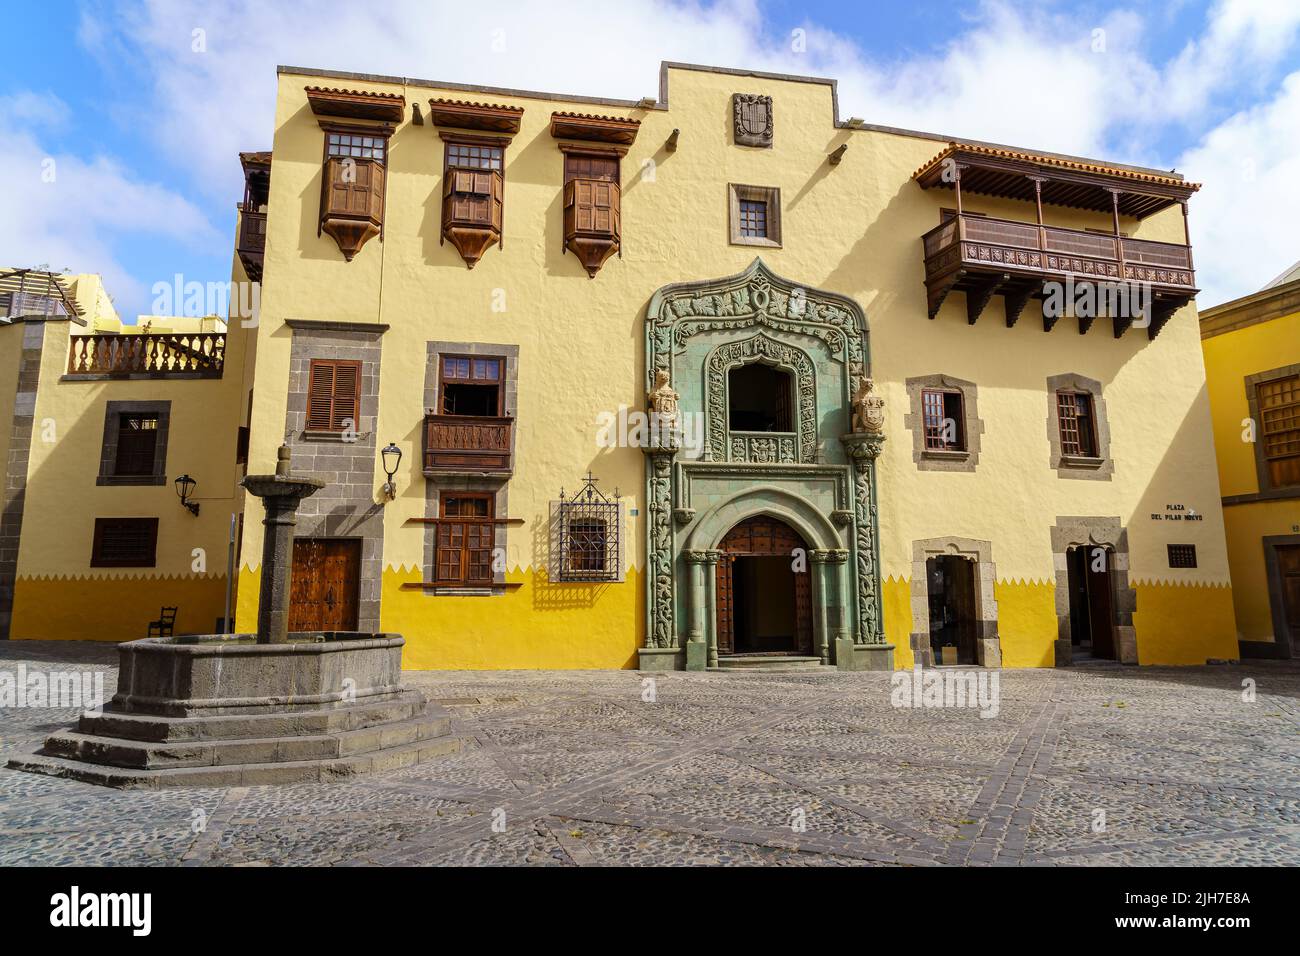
{"x": 1252, "y": 360}
{"x": 705, "y": 379}
{"x": 903, "y": 430}
{"x": 94, "y": 540}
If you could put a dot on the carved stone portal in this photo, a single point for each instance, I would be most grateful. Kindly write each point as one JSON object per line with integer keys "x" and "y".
{"x": 753, "y": 119}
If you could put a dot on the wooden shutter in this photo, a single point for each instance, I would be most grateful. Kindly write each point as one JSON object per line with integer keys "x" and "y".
{"x": 333, "y": 394}
{"x": 593, "y": 206}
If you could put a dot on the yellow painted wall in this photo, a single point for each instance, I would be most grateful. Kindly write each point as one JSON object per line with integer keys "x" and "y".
{"x": 1229, "y": 358}
{"x": 1184, "y": 624}
{"x": 58, "y": 595}
{"x": 854, "y": 228}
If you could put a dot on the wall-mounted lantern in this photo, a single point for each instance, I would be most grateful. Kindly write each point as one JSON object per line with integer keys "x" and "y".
{"x": 185, "y": 486}
{"x": 392, "y": 458}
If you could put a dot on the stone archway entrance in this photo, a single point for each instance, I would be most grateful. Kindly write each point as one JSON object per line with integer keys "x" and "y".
{"x": 764, "y": 595}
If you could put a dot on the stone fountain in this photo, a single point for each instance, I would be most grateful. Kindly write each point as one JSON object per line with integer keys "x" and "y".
{"x": 245, "y": 709}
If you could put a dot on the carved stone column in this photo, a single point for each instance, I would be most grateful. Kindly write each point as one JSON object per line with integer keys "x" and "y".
{"x": 711, "y": 560}
{"x": 696, "y": 647}
{"x": 868, "y": 650}
{"x": 662, "y": 650}
{"x": 824, "y": 590}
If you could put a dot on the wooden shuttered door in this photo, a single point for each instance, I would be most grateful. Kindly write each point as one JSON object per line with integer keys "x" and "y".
{"x": 591, "y": 195}
{"x": 334, "y": 395}
{"x": 356, "y": 188}
{"x": 473, "y": 197}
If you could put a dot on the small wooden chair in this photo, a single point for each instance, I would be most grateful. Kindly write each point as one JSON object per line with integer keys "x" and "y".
{"x": 166, "y": 623}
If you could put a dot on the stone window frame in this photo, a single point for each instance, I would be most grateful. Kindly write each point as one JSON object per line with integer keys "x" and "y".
{"x": 1265, "y": 482}
{"x": 973, "y": 425}
{"x": 1100, "y": 468}
{"x": 1084, "y": 531}
{"x": 349, "y": 506}
{"x": 113, "y": 411}
{"x": 736, "y": 192}
{"x": 436, "y": 486}
{"x": 988, "y": 644}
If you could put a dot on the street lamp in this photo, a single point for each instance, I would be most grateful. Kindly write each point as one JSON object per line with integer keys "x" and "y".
{"x": 185, "y": 486}
{"x": 392, "y": 457}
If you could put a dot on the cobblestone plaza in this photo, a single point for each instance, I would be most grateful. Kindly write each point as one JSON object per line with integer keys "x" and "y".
{"x": 1082, "y": 766}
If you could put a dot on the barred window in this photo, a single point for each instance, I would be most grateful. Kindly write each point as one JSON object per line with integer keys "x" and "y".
{"x": 124, "y": 543}
{"x": 356, "y": 146}
{"x": 588, "y": 541}
{"x": 753, "y": 218}
{"x": 467, "y": 156}
{"x": 1182, "y": 555}
{"x": 1078, "y": 430}
{"x": 137, "y": 441}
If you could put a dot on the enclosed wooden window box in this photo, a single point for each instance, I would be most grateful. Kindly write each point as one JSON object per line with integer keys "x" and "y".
{"x": 592, "y": 221}
{"x": 352, "y": 206}
{"x": 467, "y": 444}
{"x": 471, "y": 211}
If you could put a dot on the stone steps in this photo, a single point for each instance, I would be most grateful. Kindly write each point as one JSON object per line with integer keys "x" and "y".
{"x": 143, "y": 755}
{"x": 767, "y": 663}
{"x": 332, "y": 720}
{"x": 297, "y": 771}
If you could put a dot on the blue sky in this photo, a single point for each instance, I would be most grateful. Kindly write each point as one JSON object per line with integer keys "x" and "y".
{"x": 144, "y": 129}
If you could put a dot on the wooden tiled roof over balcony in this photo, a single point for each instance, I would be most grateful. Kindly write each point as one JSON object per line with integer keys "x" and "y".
{"x": 983, "y": 256}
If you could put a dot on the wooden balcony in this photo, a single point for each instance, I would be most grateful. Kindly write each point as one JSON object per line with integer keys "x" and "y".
{"x": 984, "y": 257}
{"x": 252, "y": 242}
{"x": 187, "y": 355}
{"x": 468, "y": 445}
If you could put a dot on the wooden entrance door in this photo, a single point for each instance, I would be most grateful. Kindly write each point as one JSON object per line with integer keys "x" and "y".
{"x": 326, "y": 584}
{"x": 762, "y": 536}
{"x": 1288, "y": 569}
{"x": 1101, "y": 615}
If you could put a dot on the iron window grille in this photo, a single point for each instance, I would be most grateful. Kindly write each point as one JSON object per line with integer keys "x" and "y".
{"x": 1182, "y": 555}
{"x": 589, "y": 531}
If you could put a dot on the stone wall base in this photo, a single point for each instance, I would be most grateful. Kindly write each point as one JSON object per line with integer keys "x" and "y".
{"x": 863, "y": 657}
{"x": 661, "y": 659}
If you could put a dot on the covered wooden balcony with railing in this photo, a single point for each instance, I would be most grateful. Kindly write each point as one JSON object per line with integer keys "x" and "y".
{"x": 251, "y": 242}
{"x": 984, "y": 256}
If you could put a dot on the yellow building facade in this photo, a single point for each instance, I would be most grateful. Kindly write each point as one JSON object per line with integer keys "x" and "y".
{"x": 1252, "y": 360}
{"x": 713, "y": 379}
{"x": 106, "y": 416}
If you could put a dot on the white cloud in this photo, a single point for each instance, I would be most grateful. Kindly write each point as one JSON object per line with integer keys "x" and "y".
{"x": 1243, "y": 218}
{"x": 66, "y": 211}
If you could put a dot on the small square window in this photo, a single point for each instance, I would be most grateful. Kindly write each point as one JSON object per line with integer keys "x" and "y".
{"x": 124, "y": 543}
{"x": 1182, "y": 555}
{"x": 755, "y": 215}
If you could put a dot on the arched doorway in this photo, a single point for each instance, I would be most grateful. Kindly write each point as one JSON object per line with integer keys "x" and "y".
{"x": 764, "y": 594}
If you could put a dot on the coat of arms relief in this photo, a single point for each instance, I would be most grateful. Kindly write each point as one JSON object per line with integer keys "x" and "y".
{"x": 753, "y": 119}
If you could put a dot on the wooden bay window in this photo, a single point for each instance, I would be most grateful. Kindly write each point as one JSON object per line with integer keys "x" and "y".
{"x": 469, "y": 431}
{"x": 592, "y": 207}
{"x": 473, "y": 194}
{"x": 353, "y": 186}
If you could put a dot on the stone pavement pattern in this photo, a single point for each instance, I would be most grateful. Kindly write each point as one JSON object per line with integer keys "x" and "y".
{"x": 583, "y": 772}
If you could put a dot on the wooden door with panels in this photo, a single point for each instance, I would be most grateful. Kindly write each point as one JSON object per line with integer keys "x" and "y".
{"x": 325, "y": 588}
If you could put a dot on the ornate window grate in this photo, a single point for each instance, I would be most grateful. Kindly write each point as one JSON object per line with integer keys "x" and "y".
{"x": 589, "y": 525}
{"x": 1182, "y": 555}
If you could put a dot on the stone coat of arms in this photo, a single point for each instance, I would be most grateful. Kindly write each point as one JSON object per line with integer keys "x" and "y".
{"x": 753, "y": 119}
